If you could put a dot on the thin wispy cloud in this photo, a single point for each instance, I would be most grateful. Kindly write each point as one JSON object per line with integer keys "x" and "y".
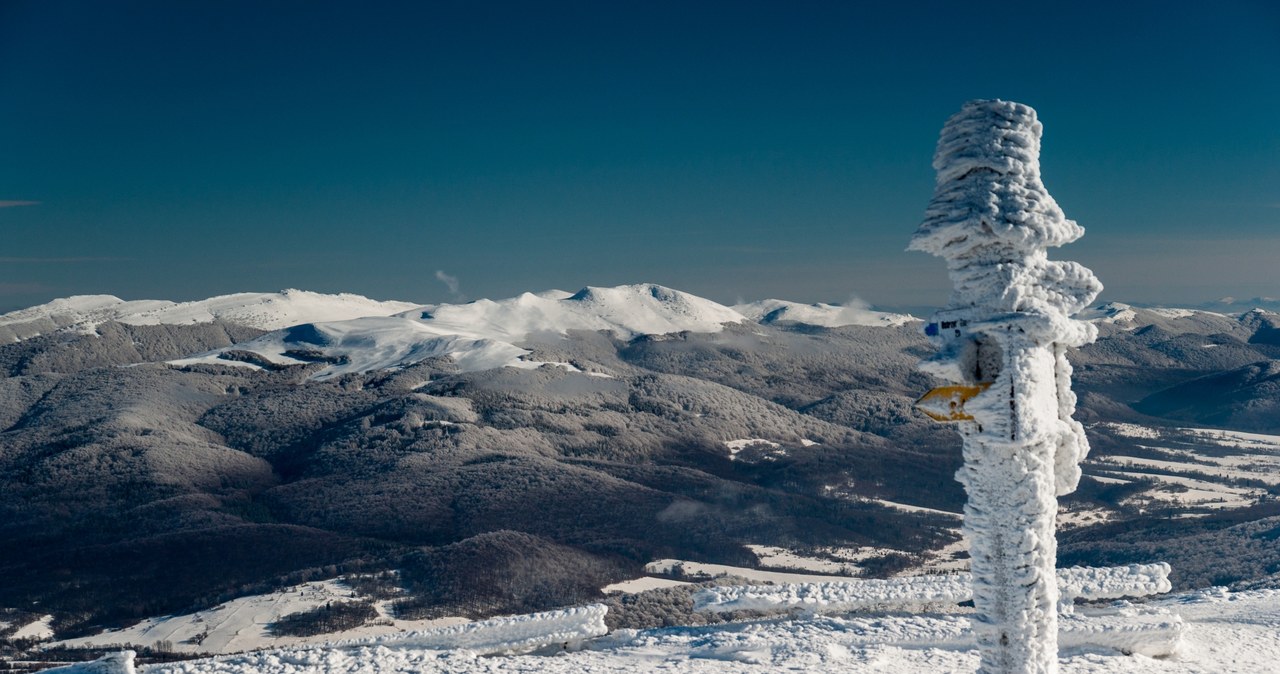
{"x": 13, "y": 204}
{"x": 61, "y": 260}
{"x": 451, "y": 282}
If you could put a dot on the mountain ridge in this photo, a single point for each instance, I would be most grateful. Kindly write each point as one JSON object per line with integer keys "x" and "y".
{"x": 126, "y": 477}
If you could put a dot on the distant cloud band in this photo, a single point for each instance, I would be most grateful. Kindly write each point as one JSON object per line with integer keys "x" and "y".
{"x": 11, "y": 204}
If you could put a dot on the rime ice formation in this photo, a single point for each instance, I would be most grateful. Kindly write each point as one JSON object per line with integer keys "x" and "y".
{"x": 513, "y": 634}
{"x": 920, "y": 592}
{"x": 564, "y": 628}
{"x": 1008, "y": 325}
{"x": 112, "y": 663}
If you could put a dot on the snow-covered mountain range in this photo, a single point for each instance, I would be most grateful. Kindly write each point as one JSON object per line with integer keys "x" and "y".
{"x": 516, "y": 455}
{"x": 350, "y": 333}
{"x": 265, "y": 311}
{"x": 479, "y": 335}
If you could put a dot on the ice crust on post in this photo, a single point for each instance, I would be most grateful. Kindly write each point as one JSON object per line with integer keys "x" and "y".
{"x": 1009, "y": 325}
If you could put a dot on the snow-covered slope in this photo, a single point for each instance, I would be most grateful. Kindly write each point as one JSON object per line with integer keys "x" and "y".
{"x": 479, "y": 335}
{"x": 266, "y": 311}
{"x": 1129, "y": 317}
{"x": 244, "y": 624}
{"x": 626, "y": 311}
{"x": 1219, "y": 632}
{"x": 820, "y": 314}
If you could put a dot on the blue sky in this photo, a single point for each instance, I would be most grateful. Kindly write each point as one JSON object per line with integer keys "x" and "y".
{"x": 736, "y": 150}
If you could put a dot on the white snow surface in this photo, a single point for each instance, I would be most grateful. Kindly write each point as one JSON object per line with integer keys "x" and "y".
{"x": 707, "y": 571}
{"x": 737, "y": 446}
{"x": 39, "y": 629}
{"x": 774, "y": 557}
{"x": 918, "y": 592}
{"x": 484, "y": 334}
{"x": 265, "y": 311}
{"x": 243, "y": 624}
{"x": 1206, "y": 632}
{"x": 820, "y": 314}
{"x": 627, "y": 311}
{"x": 513, "y": 634}
{"x": 1200, "y": 470}
{"x": 112, "y": 663}
{"x": 1129, "y": 317}
{"x": 1111, "y": 312}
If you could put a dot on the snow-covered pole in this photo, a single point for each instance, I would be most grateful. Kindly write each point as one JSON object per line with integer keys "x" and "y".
{"x": 1002, "y": 343}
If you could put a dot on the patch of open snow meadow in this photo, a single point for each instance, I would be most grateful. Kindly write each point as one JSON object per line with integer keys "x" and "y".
{"x": 1129, "y": 430}
{"x": 765, "y": 448}
{"x": 950, "y": 558}
{"x": 703, "y": 571}
{"x": 37, "y": 629}
{"x": 820, "y": 314}
{"x": 641, "y": 584}
{"x": 773, "y": 557}
{"x": 1239, "y": 438}
{"x": 906, "y": 507}
{"x": 1071, "y": 519}
{"x": 1193, "y": 469}
{"x": 243, "y": 624}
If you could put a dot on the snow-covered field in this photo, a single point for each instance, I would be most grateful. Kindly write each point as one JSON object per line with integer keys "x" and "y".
{"x": 820, "y": 314}
{"x": 703, "y": 571}
{"x": 1198, "y": 470}
{"x": 777, "y": 565}
{"x": 242, "y": 624}
{"x": 1206, "y": 632}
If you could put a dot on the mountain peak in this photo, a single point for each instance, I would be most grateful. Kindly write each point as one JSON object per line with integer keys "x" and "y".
{"x": 265, "y": 311}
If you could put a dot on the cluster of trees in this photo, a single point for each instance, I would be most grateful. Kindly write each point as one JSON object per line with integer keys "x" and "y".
{"x": 1220, "y": 549}
{"x": 332, "y": 617}
{"x": 669, "y": 606}
{"x": 501, "y": 572}
{"x": 114, "y": 344}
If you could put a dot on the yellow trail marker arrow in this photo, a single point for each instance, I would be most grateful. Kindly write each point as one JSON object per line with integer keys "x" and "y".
{"x": 946, "y": 403}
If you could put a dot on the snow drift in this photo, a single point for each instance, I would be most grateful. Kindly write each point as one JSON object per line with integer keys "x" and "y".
{"x": 921, "y": 592}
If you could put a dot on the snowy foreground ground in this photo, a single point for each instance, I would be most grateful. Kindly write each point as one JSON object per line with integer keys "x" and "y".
{"x": 1224, "y": 632}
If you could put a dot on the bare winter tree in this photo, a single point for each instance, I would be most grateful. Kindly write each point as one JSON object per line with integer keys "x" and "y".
{"x": 1002, "y": 344}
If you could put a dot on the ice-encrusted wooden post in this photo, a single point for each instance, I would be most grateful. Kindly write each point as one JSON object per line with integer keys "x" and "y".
{"x": 1002, "y": 343}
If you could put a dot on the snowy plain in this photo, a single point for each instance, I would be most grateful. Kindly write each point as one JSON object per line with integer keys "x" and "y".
{"x": 1220, "y": 633}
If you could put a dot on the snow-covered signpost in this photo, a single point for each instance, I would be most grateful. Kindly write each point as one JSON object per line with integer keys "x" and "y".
{"x": 1002, "y": 343}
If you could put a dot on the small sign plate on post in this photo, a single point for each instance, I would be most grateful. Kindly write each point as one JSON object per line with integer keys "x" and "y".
{"x": 946, "y": 403}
